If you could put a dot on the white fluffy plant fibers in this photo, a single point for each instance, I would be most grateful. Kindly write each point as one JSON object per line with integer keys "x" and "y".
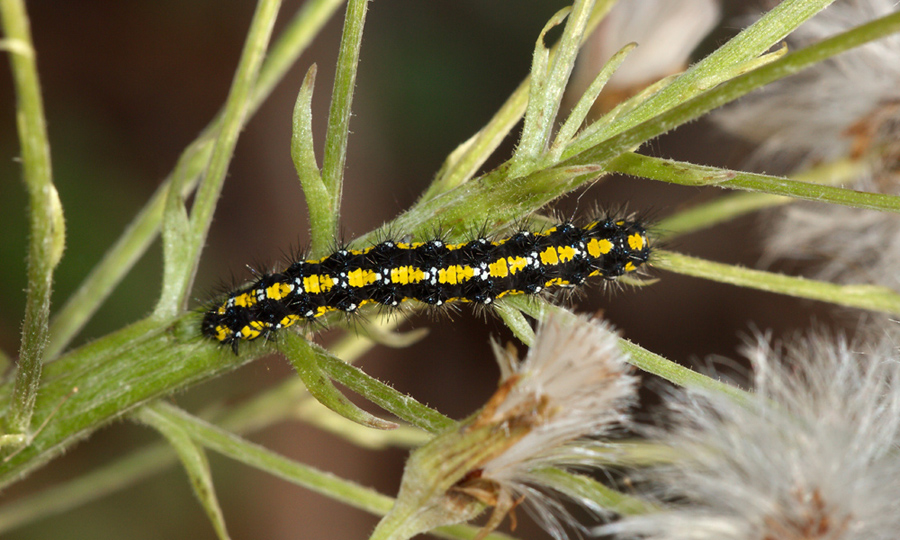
{"x": 573, "y": 383}
{"x": 845, "y": 110}
{"x": 844, "y": 107}
{"x": 812, "y": 455}
{"x": 578, "y": 374}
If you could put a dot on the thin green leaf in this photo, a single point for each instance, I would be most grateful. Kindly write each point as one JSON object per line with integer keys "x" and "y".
{"x": 318, "y": 199}
{"x": 465, "y": 160}
{"x": 194, "y": 461}
{"x": 584, "y": 489}
{"x": 551, "y": 92}
{"x": 338, "y": 130}
{"x": 590, "y": 132}
{"x": 294, "y": 39}
{"x": 871, "y": 297}
{"x": 734, "y": 205}
{"x": 515, "y": 321}
{"x": 742, "y": 68}
{"x": 176, "y": 226}
{"x": 124, "y": 254}
{"x": 304, "y": 358}
{"x": 173, "y": 298}
{"x": 745, "y": 47}
{"x": 724, "y": 93}
{"x": 666, "y": 369}
{"x": 531, "y": 144}
{"x": 677, "y": 172}
{"x": 384, "y": 396}
{"x": 586, "y": 102}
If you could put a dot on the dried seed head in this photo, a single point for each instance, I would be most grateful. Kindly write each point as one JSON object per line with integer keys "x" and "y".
{"x": 573, "y": 383}
{"x": 813, "y": 454}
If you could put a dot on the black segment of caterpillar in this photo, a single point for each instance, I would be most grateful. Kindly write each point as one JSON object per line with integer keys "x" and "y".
{"x": 434, "y": 273}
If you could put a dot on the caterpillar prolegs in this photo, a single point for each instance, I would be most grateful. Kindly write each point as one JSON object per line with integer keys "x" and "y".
{"x": 434, "y": 273}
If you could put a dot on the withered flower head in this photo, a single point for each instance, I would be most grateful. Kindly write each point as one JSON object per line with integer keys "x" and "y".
{"x": 573, "y": 383}
{"x": 813, "y": 454}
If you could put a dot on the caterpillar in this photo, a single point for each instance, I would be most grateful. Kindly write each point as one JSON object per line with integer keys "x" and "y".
{"x": 480, "y": 271}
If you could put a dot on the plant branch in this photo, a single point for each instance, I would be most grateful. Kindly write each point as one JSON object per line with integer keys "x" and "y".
{"x": 871, "y": 297}
{"x": 46, "y": 224}
{"x": 321, "y": 482}
{"x": 182, "y": 245}
{"x": 338, "y": 130}
{"x": 688, "y": 174}
{"x": 733, "y": 205}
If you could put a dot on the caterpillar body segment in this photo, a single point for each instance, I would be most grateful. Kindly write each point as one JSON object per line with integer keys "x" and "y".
{"x": 434, "y": 272}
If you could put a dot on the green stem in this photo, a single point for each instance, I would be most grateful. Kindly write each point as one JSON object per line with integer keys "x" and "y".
{"x": 321, "y": 482}
{"x": 688, "y": 174}
{"x": 47, "y": 227}
{"x": 871, "y": 297}
{"x": 638, "y": 356}
{"x": 270, "y": 407}
{"x": 734, "y": 205}
{"x": 182, "y": 253}
{"x": 338, "y": 130}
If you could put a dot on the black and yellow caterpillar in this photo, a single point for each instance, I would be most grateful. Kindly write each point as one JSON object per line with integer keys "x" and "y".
{"x": 434, "y": 273}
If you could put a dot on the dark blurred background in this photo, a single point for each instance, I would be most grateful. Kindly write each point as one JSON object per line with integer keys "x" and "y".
{"x": 128, "y": 84}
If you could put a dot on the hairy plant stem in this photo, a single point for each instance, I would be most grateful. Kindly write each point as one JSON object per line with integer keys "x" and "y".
{"x": 46, "y": 224}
